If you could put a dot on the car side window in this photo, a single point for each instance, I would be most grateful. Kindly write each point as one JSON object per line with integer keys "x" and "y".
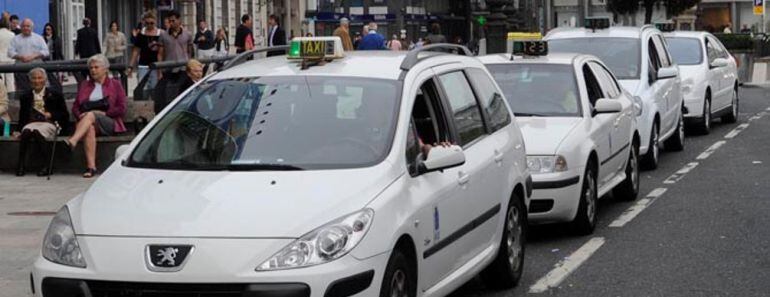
{"x": 605, "y": 79}
{"x": 465, "y": 109}
{"x": 721, "y": 51}
{"x": 660, "y": 45}
{"x": 427, "y": 125}
{"x": 652, "y": 51}
{"x": 592, "y": 85}
{"x": 711, "y": 50}
{"x": 491, "y": 100}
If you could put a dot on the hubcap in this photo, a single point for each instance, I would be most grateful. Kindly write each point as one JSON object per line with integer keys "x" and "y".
{"x": 590, "y": 199}
{"x": 514, "y": 238}
{"x": 681, "y": 128}
{"x": 707, "y": 115}
{"x": 735, "y": 104}
{"x": 655, "y": 143}
{"x": 398, "y": 284}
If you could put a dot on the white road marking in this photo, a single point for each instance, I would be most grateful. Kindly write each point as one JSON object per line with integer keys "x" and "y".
{"x": 637, "y": 208}
{"x": 681, "y": 173}
{"x": 736, "y": 131}
{"x": 565, "y": 267}
{"x": 705, "y": 154}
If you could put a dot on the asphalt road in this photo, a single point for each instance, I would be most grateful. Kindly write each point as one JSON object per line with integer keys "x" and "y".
{"x": 703, "y": 230}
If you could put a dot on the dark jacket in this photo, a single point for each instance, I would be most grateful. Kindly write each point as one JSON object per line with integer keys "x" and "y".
{"x": 55, "y": 52}
{"x": 279, "y": 38}
{"x": 87, "y": 43}
{"x": 53, "y": 103}
{"x": 241, "y": 34}
{"x": 204, "y": 45}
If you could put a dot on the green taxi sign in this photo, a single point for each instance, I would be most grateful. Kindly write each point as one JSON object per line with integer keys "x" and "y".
{"x": 315, "y": 48}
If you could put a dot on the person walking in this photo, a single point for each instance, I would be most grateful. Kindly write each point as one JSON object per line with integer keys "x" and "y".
{"x": 87, "y": 42}
{"x": 115, "y": 45}
{"x": 41, "y": 110}
{"x": 343, "y": 32}
{"x": 204, "y": 39}
{"x": 394, "y": 44}
{"x": 27, "y": 47}
{"x": 6, "y": 36}
{"x": 53, "y": 42}
{"x": 244, "y": 38}
{"x": 176, "y": 44}
{"x": 146, "y": 50}
{"x": 275, "y": 36}
{"x": 372, "y": 40}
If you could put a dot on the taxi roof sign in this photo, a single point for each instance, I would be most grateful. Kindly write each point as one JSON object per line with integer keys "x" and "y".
{"x": 327, "y": 47}
{"x": 595, "y": 23}
{"x": 531, "y": 48}
{"x": 666, "y": 27}
{"x": 524, "y": 36}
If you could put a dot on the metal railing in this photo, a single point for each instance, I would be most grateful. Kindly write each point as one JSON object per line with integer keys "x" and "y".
{"x": 61, "y": 66}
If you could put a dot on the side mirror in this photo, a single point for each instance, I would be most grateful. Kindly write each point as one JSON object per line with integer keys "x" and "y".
{"x": 607, "y": 106}
{"x": 121, "y": 150}
{"x": 719, "y": 62}
{"x": 440, "y": 157}
{"x": 668, "y": 72}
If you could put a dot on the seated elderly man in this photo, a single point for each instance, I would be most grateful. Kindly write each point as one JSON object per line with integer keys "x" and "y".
{"x": 42, "y": 111}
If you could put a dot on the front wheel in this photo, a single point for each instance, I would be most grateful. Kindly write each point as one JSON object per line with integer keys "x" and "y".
{"x": 703, "y": 126}
{"x": 585, "y": 221}
{"x": 628, "y": 190}
{"x": 650, "y": 160}
{"x": 676, "y": 141}
{"x": 732, "y": 117}
{"x": 400, "y": 280}
{"x": 505, "y": 271}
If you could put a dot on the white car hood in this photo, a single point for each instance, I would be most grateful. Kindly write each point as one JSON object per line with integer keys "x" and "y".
{"x": 630, "y": 85}
{"x": 263, "y": 204}
{"x": 543, "y": 135}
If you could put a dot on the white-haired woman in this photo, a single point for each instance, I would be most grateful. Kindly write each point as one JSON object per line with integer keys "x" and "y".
{"x": 40, "y": 110}
{"x": 99, "y": 109}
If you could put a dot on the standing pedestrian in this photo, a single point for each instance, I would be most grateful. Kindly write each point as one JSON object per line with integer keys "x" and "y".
{"x": 357, "y": 40}
{"x": 394, "y": 44}
{"x": 372, "y": 40}
{"x": 15, "y": 28}
{"x": 204, "y": 38}
{"x": 244, "y": 38}
{"x": 343, "y": 32}
{"x": 176, "y": 44}
{"x": 276, "y": 35}
{"x": 27, "y": 47}
{"x": 6, "y": 36}
{"x": 435, "y": 35}
{"x": 115, "y": 45}
{"x": 53, "y": 42}
{"x": 221, "y": 43}
{"x": 87, "y": 42}
{"x": 146, "y": 49}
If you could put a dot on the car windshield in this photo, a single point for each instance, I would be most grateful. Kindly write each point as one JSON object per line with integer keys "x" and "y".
{"x": 275, "y": 123}
{"x": 685, "y": 51}
{"x": 538, "y": 89}
{"x": 621, "y": 55}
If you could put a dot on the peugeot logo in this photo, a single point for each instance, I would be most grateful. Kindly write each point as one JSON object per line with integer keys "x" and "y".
{"x": 166, "y": 258}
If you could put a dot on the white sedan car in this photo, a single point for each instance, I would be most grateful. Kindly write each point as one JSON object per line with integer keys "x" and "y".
{"x": 373, "y": 174}
{"x": 709, "y": 78}
{"x": 580, "y": 129}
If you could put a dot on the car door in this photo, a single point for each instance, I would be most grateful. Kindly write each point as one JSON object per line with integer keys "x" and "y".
{"x": 726, "y": 75}
{"x": 669, "y": 87}
{"x": 718, "y": 96}
{"x": 601, "y": 124}
{"x": 621, "y": 126}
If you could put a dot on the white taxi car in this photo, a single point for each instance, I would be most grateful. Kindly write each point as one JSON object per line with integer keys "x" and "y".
{"x": 640, "y": 60}
{"x": 709, "y": 78}
{"x": 275, "y": 177}
{"x": 580, "y": 129}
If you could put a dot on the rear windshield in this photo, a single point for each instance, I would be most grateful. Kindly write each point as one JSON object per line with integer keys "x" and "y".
{"x": 538, "y": 89}
{"x": 621, "y": 55}
{"x": 685, "y": 51}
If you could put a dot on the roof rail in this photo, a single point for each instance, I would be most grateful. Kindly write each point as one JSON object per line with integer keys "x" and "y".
{"x": 413, "y": 57}
{"x": 240, "y": 58}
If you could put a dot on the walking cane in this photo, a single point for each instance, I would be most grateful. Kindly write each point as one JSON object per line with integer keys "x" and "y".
{"x": 53, "y": 151}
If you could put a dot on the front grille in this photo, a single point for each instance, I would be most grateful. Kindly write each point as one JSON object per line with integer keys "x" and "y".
{"x": 126, "y": 289}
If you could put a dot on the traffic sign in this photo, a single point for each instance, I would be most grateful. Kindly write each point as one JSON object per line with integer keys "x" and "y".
{"x": 759, "y": 8}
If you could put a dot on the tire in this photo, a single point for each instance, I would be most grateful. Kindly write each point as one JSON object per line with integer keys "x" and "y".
{"x": 703, "y": 125}
{"x": 585, "y": 221}
{"x": 675, "y": 142}
{"x": 732, "y": 117}
{"x": 628, "y": 190}
{"x": 400, "y": 280}
{"x": 650, "y": 159}
{"x": 505, "y": 271}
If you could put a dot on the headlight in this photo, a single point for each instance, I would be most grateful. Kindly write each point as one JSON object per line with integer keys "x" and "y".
{"x": 546, "y": 164}
{"x": 60, "y": 244}
{"x": 325, "y": 244}
{"x": 638, "y": 105}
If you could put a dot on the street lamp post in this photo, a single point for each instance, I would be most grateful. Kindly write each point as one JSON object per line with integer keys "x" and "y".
{"x": 497, "y": 25}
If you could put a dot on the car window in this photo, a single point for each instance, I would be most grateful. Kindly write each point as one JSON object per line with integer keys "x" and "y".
{"x": 652, "y": 53}
{"x": 428, "y": 124}
{"x": 592, "y": 85}
{"x": 721, "y": 51}
{"x": 270, "y": 122}
{"x": 685, "y": 51}
{"x": 539, "y": 89}
{"x": 606, "y": 81}
{"x": 491, "y": 101}
{"x": 660, "y": 46}
{"x": 465, "y": 110}
{"x": 712, "y": 51}
{"x": 621, "y": 55}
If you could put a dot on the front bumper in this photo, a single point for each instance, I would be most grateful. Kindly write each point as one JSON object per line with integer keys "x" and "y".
{"x": 116, "y": 267}
{"x": 555, "y": 197}
{"x": 694, "y": 107}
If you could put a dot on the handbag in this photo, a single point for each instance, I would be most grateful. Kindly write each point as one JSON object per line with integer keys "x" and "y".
{"x": 101, "y": 104}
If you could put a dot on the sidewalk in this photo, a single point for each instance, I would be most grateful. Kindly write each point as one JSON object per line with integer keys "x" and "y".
{"x": 21, "y": 229}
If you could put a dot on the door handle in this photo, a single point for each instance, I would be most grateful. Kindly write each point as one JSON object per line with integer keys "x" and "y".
{"x": 498, "y": 156}
{"x": 463, "y": 178}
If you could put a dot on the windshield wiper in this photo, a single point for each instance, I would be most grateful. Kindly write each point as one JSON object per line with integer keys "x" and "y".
{"x": 526, "y": 114}
{"x": 262, "y": 166}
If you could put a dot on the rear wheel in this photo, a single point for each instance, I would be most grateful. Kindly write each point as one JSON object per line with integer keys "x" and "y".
{"x": 732, "y": 117}
{"x": 676, "y": 141}
{"x": 585, "y": 221}
{"x": 650, "y": 160}
{"x": 505, "y": 271}
{"x": 628, "y": 190}
{"x": 399, "y": 280}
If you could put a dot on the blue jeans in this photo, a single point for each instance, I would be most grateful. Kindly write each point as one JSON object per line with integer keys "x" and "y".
{"x": 141, "y": 71}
